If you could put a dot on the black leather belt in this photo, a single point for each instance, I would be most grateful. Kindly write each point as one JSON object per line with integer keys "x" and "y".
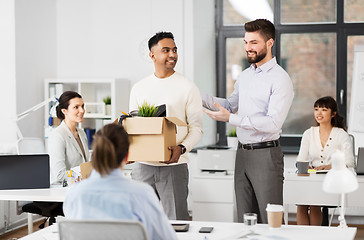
{"x": 260, "y": 145}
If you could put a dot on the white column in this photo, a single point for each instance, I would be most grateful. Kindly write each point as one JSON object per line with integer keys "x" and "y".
{"x": 7, "y": 77}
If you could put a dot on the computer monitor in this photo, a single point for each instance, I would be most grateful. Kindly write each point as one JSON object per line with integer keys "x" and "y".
{"x": 360, "y": 162}
{"x": 24, "y": 171}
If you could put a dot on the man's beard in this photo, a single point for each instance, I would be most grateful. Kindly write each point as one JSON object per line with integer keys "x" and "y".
{"x": 258, "y": 57}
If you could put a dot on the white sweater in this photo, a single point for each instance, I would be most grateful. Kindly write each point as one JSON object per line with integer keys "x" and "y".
{"x": 182, "y": 99}
{"x": 312, "y": 151}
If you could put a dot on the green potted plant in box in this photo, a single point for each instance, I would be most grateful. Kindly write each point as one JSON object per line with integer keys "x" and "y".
{"x": 147, "y": 110}
{"x": 232, "y": 139}
{"x": 107, "y": 102}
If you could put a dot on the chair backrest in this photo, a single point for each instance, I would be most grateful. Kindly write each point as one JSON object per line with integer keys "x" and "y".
{"x": 353, "y": 141}
{"x": 101, "y": 229}
{"x": 30, "y": 146}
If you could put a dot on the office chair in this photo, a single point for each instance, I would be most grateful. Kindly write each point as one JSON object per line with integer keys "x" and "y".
{"x": 102, "y": 229}
{"x": 50, "y": 210}
{"x": 325, "y": 209}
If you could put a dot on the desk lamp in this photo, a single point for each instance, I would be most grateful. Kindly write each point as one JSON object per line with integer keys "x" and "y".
{"x": 33, "y": 109}
{"x": 340, "y": 180}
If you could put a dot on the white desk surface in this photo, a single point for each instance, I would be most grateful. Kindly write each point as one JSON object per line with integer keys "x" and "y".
{"x": 46, "y": 194}
{"x": 229, "y": 231}
{"x": 307, "y": 190}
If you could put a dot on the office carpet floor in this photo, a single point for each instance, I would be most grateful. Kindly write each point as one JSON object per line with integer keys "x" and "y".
{"x": 23, "y": 231}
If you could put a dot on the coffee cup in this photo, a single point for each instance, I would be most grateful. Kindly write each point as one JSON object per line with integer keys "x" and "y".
{"x": 302, "y": 168}
{"x": 275, "y": 215}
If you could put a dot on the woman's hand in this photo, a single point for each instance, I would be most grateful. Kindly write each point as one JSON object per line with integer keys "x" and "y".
{"x": 323, "y": 167}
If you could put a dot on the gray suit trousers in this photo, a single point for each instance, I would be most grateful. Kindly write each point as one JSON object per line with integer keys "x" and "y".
{"x": 258, "y": 180}
{"x": 170, "y": 184}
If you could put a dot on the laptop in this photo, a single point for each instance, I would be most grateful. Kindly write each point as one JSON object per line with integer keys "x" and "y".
{"x": 360, "y": 162}
{"x": 24, "y": 171}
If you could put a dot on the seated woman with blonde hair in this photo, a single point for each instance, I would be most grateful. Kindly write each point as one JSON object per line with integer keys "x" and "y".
{"x": 107, "y": 194}
{"x": 318, "y": 144}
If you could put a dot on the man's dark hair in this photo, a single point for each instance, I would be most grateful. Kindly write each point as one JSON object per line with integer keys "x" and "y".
{"x": 263, "y": 26}
{"x": 157, "y": 37}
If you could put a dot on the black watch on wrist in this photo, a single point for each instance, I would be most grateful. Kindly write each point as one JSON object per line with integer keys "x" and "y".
{"x": 183, "y": 148}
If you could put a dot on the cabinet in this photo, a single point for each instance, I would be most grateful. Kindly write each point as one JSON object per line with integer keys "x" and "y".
{"x": 212, "y": 187}
{"x": 93, "y": 91}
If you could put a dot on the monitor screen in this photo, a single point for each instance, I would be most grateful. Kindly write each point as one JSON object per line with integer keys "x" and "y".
{"x": 24, "y": 171}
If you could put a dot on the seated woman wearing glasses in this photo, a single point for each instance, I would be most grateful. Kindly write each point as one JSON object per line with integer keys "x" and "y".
{"x": 107, "y": 194}
{"x": 317, "y": 145}
{"x": 68, "y": 145}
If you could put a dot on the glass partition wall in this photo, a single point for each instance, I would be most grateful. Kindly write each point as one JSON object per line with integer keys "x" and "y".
{"x": 314, "y": 44}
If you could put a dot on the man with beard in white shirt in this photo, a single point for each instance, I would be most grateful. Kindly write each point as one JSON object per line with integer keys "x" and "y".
{"x": 258, "y": 106}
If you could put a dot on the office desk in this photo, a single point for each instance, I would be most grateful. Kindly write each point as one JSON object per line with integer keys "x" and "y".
{"x": 40, "y": 195}
{"x": 308, "y": 191}
{"x": 230, "y": 231}
{"x": 56, "y": 194}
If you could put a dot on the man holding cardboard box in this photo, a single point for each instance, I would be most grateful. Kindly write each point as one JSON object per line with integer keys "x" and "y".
{"x": 182, "y": 99}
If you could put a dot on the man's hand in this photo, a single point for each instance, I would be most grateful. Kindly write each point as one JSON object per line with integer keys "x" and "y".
{"x": 222, "y": 115}
{"x": 176, "y": 153}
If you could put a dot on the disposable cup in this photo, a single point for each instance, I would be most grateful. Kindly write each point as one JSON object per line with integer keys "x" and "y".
{"x": 275, "y": 214}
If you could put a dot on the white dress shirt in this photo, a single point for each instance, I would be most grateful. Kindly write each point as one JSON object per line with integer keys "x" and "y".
{"x": 312, "y": 151}
{"x": 259, "y": 103}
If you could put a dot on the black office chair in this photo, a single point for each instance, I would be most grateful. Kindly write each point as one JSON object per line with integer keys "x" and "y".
{"x": 50, "y": 210}
{"x": 325, "y": 215}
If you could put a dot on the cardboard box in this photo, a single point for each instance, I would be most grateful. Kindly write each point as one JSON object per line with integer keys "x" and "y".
{"x": 86, "y": 169}
{"x": 150, "y": 137}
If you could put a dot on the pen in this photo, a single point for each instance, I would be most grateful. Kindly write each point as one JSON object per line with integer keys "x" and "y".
{"x": 124, "y": 113}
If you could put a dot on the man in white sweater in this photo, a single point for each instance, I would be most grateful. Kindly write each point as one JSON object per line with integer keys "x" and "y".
{"x": 182, "y": 100}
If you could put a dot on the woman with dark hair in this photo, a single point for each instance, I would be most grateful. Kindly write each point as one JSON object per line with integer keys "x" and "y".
{"x": 68, "y": 146}
{"x": 317, "y": 145}
{"x": 107, "y": 194}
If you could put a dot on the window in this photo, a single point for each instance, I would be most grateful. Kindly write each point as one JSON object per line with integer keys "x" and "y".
{"x": 314, "y": 44}
{"x": 310, "y": 59}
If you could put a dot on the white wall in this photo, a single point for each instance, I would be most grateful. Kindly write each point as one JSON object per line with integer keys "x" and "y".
{"x": 7, "y": 76}
{"x": 98, "y": 38}
{"x": 108, "y": 38}
{"x": 35, "y": 59}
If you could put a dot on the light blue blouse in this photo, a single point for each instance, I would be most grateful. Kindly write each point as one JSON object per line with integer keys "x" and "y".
{"x": 116, "y": 197}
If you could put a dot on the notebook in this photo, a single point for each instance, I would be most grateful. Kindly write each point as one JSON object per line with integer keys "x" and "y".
{"x": 24, "y": 171}
{"x": 360, "y": 162}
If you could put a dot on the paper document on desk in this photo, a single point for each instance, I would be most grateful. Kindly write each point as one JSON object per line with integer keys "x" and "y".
{"x": 76, "y": 172}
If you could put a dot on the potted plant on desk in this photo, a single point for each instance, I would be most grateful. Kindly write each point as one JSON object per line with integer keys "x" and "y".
{"x": 232, "y": 139}
{"x": 107, "y": 102}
